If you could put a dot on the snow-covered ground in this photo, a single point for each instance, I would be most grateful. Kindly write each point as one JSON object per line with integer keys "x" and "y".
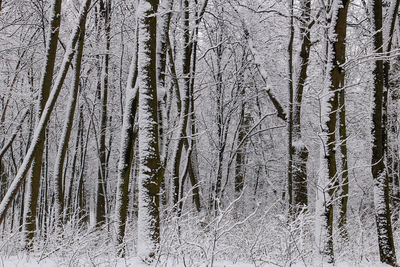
{"x": 26, "y": 261}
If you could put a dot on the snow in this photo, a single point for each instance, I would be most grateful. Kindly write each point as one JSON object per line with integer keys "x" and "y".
{"x": 298, "y": 144}
{"x": 26, "y": 261}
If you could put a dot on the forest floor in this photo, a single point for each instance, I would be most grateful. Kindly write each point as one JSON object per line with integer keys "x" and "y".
{"x": 31, "y": 261}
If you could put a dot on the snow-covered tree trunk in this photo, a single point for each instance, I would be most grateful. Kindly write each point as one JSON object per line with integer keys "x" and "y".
{"x": 327, "y": 172}
{"x": 391, "y": 97}
{"x": 80, "y": 207}
{"x": 338, "y": 84}
{"x": 222, "y": 123}
{"x": 165, "y": 11}
{"x": 150, "y": 169}
{"x": 194, "y": 172}
{"x": 65, "y": 136}
{"x": 128, "y": 137}
{"x": 244, "y": 125}
{"x": 184, "y": 111}
{"x": 381, "y": 182}
{"x": 327, "y": 179}
{"x": 68, "y": 211}
{"x": 344, "y": 181}
{"x": 33, "y": 184}
{"x": 101, "y": 203}
{"x": 298, "y": 150}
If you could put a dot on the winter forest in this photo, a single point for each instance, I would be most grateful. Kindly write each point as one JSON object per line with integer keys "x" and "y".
{"x": 199, "y": 133}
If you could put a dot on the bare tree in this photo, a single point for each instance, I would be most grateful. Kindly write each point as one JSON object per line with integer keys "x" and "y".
{"x": 128, "y": 138}
{"x": 381, "y": 181}
{"x": 150, "y": 169}
{"x": 63, "y": 145}
{"x": 33, "y": 184}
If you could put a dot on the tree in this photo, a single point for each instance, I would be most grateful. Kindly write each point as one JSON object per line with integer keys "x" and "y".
{"x": 128, "y": 138}
{"x": 184, "y": 110}
{"x": 298, "y": 152}
{"x": 339, "y": 85}
{"x": 103, "y": 80}
{"x": 63, "y": 145}
{"x": 381, "y": 182}
{"x": 150, "y": 169}
{"x": 328, "y": 169}
{"x": 33, "y": 184}
{"x": 390, "y": 117}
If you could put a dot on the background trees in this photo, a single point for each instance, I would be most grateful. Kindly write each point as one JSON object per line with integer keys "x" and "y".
{"x": 232, "y": 118}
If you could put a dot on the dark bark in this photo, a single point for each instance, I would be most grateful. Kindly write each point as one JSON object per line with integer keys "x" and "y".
{"x": 338, "y": 83}
{"x": 298, "y": 151}
{"x": 290, "y": 113}
{"x": 379, "y": 174}
{"x": 184, "y": 112}
{"x": 128, "y": 137}
{"x": 33, "y": 184}
{"x": 150, "y": 169}
{"x": 162, "y": 49}
{"x": 101, "y": 203}
{"x": 391, "y": 97}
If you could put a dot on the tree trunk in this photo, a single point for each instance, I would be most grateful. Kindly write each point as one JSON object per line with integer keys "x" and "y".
{"x": 390, "y": 102}
{"x": 162, "y": 48}
{"x": 184, "y": 111}
{"x": 33, "y": 184}
{"x": 222, "y": 128}
{"x": 336, "y": 55}
{"x": 65, "y": 136}
{"x": 344, "y": 182}
{"x": 101, "y": 204}
{"x": 128, "y": 137}
{"x": 298, "y": 152}
{"x": 71, "y": 185}
{"x": 380, "y": 177}
{"x": 80, "y": 210}
{"x": 290, "y": 113}
{"x": 194, "y": 172}
{"x": 150, "y": 169}
{"x": 338, "y": 82}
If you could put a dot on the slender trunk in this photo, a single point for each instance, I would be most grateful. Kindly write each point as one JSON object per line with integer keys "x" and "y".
{"x": 33, "y": 184}
{"x": 184, "y": 111}
{"x": 298, "y": 152}
{"x": 162, "y": 45}
{"x": 65, "y": 136}
{"x": 344, "y": 183}
{"x": 338, "y": 83}
{"x": 194, "y": 172}
{"x": 380, "y": 177}
{"x": 290, "y": 113}
{"x": 328, "y": 170}
{"x": 80, "y": 201}
{"x": 391, "y": 99}
{"x": 71, "y": 185}
{"x": 128, "y": 138}
{"x": 105, "y": 9}
{"x": 221, "y": 126}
